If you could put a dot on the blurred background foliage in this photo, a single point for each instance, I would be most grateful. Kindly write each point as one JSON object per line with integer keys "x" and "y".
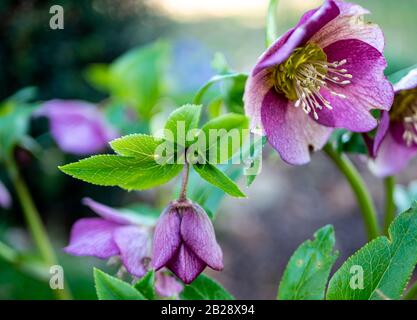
{"x": 149, "y": 57}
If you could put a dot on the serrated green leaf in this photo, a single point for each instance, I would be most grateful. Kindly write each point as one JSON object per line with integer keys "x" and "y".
{"x": 308, "y": 270}
{"x": 146, "y": 285}
{"x": 140, "y": 146}
{"x": 111, "y": 288}
{"x": 217, "y": 178}
{"x": 126, "y": 172}
{"x": 204, "y": 288}
{"x": 223, "y": 137}
{"x": 387, "y": 264}
{"x": 181, "y": 121}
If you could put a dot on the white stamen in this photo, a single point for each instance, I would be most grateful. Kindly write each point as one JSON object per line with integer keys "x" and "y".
{"x": 410, "y": 125}
{"x": 313, "y": 76}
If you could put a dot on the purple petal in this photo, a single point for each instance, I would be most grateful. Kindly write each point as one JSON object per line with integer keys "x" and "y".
{"x": 369, "y": 89}
{"x": 93, "y": 237}
{"x": 77, "y": 127}
{"x": 167, "y": 239}
{"x": 107, "y": 212}
{"x": 198, "y": 234}
{"x": 133, "y": 245}
{"x": 408, "y": 82}
{"x": 308, "y": 26}
{"x": 186, "y": 265}
{"x": 290, "y": 131}
{"x": 382, "y": 130}
{"x": 350, "y": 25}
{"x": 5, "y": 198}
{"x": 166, "y": 285}
{"x": 392, "y": 157}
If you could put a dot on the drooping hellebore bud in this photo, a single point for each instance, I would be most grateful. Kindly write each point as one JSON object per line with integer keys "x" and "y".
{"x": 184, "y": 241}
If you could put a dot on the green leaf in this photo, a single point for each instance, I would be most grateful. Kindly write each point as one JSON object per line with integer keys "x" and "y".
{"x": 136, "y": 78}
{"x": 387, "y": 264}
{"x": 14, "y": 120}
{"x": 217, "y": 178}
{"x": 204, "y": 288}
{"x": 253, "y": 157}
{"x": 224, "y": 136}
{"x": 308, "y": 270}
{"x": 140, "y": 146}
{"x": 98, "y": 76}
{"x": 126, "y": 172}
{"x": 111, "y": 288}
{"x": 181, "y": 121}
{"x": 397, "y": 76}
{"x": 146, "y": 285}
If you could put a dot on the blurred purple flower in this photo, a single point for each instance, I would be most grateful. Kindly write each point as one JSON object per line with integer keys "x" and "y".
{"x": 113, "y": 234}
{"x": 395, "y": 142}
{"x": 166, "y": 285}
{"x": 184, "y": 241}
{"x": 327, "y": 72}
{"x": 78, "y": 127}
{"x": 5, "y": 198}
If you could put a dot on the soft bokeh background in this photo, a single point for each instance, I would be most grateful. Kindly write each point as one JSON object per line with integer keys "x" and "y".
{"x": 286, "y": 205}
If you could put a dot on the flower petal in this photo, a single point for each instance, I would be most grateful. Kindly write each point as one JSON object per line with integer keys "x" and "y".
{"x": 369, "y": 89}
{"x": 5, "y": 198}
{"x": 166, "y": 285}
{"x": 77, "y": 127}
{"x": 308, "y": 26}
{"x": 392, "y": 157}
{"x": 197, "y": 233}
{"x": 408, "y": 82}
{"x": 350, "y": 25}
{"x": 290, "y": 131}
{"x": 133, "y": 245}
{"x": 381, "y": 132}
{"x": 93, "y": 237}
{"x": 186, "y": 265}
{"x": 107, "y": 212}
{"x": 167, "y": 238}
{"x": 257, "y": 86}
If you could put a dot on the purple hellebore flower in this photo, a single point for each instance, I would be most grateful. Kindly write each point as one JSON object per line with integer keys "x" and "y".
{"x": 395, "y": 142}
{"x": 78, "y": 127}
{"x": 325, "y": 73}
{"x": 184, "y": 241}
{"x": 113, "y": 234}
{"x": 5, "y": 198}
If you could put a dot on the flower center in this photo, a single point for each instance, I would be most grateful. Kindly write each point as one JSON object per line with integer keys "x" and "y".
{"x": 305, "y": 73}
{"x": 405, "y": 110}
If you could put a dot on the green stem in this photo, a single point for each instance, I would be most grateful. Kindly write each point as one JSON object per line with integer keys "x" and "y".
{"x": 389, "y": 185}
{"x": 271, "y": 23}
{"x": 34, "y": 222}
{"x": 359, "y": 188}
{"x": 411, "y": 293}
{"x": 185, "y": 175}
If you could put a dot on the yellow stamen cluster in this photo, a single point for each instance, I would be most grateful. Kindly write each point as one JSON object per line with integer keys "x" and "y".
{"x": 305, "y": 73}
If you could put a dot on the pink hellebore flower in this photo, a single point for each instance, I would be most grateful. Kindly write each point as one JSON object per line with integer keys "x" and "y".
{"x": 5, "y": 198}
{"x": 78, "y": 127}
{"x": 113, "y": 234}
{"x": 395, "y": 142}
{"x": 118, "y": 234}
{"x": 184, "y": 241}
{"x": 325, "y": 73}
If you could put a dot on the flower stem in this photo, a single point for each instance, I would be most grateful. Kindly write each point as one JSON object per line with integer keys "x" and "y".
{"x": 185, "y": 175}
{"x": 389, "y": 185}
{"x": 271, "y": 23}
{"x": 411, "y": 293}
{"x": 34, "y": 222}
{"x": 359, "y": 188}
